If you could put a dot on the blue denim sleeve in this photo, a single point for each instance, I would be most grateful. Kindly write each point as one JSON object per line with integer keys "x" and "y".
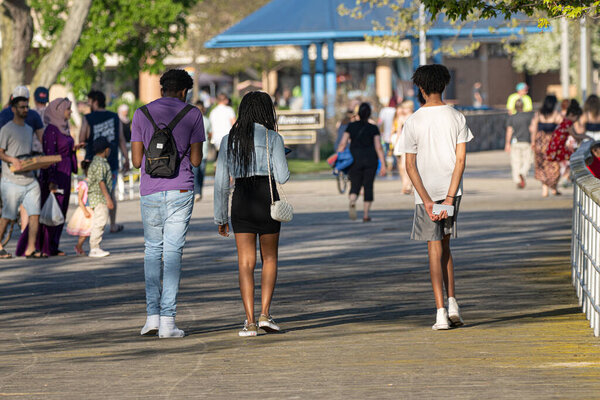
{"x": 281, "y": 173}
{"x": 221, "y": 195}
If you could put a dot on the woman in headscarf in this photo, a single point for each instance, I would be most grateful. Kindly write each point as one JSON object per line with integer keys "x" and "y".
{"x": 56, "y": 140}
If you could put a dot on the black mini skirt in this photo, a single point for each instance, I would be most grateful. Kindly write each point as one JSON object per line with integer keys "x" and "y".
{"x": 251, "y": 206}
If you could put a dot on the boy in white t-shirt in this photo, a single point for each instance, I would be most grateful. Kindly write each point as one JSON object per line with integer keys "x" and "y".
{"x": 435, "y": 138}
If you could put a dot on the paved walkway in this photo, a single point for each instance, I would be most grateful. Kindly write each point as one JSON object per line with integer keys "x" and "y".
{"x": 354, "y": 298}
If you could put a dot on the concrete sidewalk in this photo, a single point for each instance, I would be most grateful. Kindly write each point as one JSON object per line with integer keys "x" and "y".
{"x": 355, "y": 300}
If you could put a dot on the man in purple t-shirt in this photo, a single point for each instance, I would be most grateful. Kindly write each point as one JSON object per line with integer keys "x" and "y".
{"x": 166, "y": 203}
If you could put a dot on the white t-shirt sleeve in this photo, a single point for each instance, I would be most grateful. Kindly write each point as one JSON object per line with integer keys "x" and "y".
{"x": 409, "y": 142}
{"x": 464, "y": 135}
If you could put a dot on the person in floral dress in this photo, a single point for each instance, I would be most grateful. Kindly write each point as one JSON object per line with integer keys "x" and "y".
{"x": 557, "y": 149}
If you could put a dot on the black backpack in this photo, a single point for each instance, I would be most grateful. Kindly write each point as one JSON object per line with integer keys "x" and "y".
{"x": 162, "y": 157}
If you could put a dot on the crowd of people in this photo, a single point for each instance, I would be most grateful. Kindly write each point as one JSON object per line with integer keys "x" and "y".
{"x": 169, "y": 145}
{"x": 547, "y": 137}
{"x": 46, "y": 130}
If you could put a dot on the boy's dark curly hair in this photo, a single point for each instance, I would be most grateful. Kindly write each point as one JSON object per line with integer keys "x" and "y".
{"x": 175, "y": 80}
{"x": 432, "y": 78}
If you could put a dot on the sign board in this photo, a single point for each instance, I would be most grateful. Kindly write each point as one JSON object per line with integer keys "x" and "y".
{"x": 300, "y": 127}
{"x": 304, "y": 119}
{"x": 299, "y": 137}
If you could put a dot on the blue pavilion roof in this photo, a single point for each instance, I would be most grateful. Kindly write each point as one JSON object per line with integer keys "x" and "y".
{"x": 302, "y": 22}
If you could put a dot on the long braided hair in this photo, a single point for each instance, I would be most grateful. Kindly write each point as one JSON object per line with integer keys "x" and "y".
{"x": 256, "y": 107}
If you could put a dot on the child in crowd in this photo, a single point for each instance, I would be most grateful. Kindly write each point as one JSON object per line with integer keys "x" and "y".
{"x": 80, "y": 223}
{"x": 99, "y": 180}
{"x": 434, "y": 141}
{"x": 593, "y": 163}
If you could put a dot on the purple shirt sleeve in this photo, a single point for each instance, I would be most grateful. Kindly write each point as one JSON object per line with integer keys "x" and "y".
{"x": 198, "y": 135}
{"x": 137, "y": 126}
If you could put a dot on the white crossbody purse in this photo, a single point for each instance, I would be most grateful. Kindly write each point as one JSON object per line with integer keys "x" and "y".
{"x": 281, "y": 210}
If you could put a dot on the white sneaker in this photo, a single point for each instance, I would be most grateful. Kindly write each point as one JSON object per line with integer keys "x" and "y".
{"x": 152, "y": 325}
{"x": 98, "y": 253}
{"x": 441, "y": 321}
{"x": 268, "y": 324}
{"x": 454, "y": 312}
{"x": 248, "y": 330}
{"x": 168, "y": 329}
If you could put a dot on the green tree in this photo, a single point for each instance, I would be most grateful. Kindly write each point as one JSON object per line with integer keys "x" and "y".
{"x": 540, "y": 53}
{"x": 211, "y": 17}
{"x": 73, "y": 38}
{"x": 485, "y": 9}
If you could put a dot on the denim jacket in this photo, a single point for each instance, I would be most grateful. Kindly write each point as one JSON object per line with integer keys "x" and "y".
{"x": 225, "y": 169}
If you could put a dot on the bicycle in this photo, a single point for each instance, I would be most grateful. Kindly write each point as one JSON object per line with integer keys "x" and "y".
{"x": 342, "y": 180}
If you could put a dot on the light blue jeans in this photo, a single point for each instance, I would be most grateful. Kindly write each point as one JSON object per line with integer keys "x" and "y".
{"x": 166, "y": 217}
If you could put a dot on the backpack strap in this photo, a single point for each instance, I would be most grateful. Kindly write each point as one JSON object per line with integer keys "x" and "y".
{"x": 180, "y": 116}
{"x": 147, "y": 114}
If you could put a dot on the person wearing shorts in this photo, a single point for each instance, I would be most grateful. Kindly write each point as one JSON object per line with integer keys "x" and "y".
{"x": 434, "y": 141}
{"x": 18, "y": 188}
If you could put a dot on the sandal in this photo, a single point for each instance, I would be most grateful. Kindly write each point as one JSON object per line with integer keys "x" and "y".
{"x": 60, "y": 253}
{"x": 36, "y": 254}
{"x": 119, "y": 229}
{"x": 367, "y": 219}
{"x": 79, "y": 252}
{"x": 5, "y": 254}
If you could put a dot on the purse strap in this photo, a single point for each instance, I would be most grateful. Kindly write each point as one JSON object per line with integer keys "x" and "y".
{"x": 269, "y": 171}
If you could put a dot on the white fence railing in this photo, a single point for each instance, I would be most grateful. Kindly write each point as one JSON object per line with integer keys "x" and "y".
{"x": 585, "y": 245}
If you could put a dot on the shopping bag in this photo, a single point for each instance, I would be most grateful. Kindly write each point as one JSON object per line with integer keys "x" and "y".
{"x": 51, "y": 214}
{"x": 344, "y": 161}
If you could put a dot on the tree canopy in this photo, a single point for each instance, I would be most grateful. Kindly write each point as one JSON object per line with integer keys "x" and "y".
{"x": 141, "y": 33}
{"x": 463, "y": 10}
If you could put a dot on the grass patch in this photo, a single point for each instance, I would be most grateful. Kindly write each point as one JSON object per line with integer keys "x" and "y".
{"x": 295, "y": 166}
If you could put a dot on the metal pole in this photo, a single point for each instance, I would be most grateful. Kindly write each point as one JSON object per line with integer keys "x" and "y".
{"x": 422, "y": 36}
{"x": 319, "y": 77}
{"x": 583, "y": 59}
{"x": 305, "y": 80}
{"x": 564, "y": 57}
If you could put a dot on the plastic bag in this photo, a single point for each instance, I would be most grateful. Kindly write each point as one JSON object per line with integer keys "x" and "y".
{"x": 51, "y": 214}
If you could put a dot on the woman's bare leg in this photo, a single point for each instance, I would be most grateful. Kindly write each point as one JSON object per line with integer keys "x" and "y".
{"x": 367, "y": 208}
{"x": 246, "y": 248}
{"x": 269, "y": 249}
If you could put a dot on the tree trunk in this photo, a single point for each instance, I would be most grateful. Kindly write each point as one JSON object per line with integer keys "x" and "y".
{"x": 54, "y": 62}
{"x": 16, "y": 27}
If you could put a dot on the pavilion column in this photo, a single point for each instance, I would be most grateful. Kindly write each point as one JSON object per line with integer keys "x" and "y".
{"x": 305, "y": 80}
{"x": 437, "y": 54}
{"x": 319, "y": 77}
{"x": 330, "y": 78}
{"x": 484, "y": 75}
{"x": 383, "y": 80}
{"x": 415, "y": 65}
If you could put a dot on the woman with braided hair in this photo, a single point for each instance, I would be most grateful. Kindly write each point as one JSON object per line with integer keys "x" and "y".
{"x": 243, "y": 157}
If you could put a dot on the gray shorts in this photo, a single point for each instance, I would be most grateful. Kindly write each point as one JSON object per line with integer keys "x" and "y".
{"x": 426, "y": 229}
